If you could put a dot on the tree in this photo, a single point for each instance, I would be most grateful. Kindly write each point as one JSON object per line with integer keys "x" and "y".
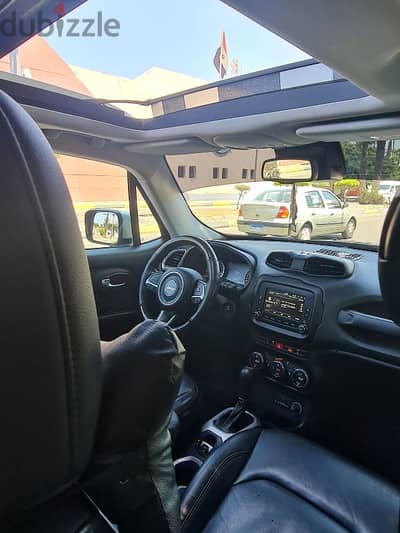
{"x": 390, "y": 148}
{"x": 379, "y": 157}
{"x": 242, "y": 188}
{"x": 363, "y": 160}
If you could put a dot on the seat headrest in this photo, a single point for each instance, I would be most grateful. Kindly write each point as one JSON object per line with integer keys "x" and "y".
{"x": 50, "y": 368}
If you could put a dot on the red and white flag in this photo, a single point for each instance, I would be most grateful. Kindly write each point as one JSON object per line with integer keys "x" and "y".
{"x": 221, "y": 58}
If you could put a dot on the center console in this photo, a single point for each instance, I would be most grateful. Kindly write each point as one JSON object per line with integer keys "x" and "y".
{"x": 218, "y": 429}
{"x": 284, "y": 308}
{"x": 285, "y": 316}
{"x": 278, "y": 376}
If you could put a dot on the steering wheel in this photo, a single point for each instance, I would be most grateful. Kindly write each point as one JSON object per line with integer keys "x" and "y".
{"x": 180, "y": 293}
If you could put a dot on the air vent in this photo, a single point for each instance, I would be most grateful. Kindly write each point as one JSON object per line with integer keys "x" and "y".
{"x": 322, "y": 266}
{"x": 339, "y": 253}
{"x": 281, "y": 260}
{"x": 173, "y": 258}
{"x": 247, "y": 277}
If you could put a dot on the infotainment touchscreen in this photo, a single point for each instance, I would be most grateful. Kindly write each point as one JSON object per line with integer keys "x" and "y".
{"x": 284, "y": 304}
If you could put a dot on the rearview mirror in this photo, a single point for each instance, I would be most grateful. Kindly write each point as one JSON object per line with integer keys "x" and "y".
{"x": 286, "y": 170}
{"x": 108, "y": 227}
{"x": 317, "y": 161}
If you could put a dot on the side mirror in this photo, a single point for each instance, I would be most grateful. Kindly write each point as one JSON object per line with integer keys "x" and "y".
{"x": 108, "y": 226}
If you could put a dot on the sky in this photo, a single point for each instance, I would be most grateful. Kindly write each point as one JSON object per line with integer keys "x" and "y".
{"x": 179, "y": 35}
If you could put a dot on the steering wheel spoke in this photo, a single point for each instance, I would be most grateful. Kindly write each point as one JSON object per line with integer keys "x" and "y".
{"x": 199, "y": 292}
{"x": 153, "y": 281}
{"x": 166, "y": 316}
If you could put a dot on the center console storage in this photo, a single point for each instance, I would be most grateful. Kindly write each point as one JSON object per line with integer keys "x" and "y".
{"x": 185, "y": 470}
{"x": 211, "y": 435}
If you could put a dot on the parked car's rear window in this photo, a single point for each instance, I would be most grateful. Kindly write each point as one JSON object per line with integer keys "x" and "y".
{"x": 275, "y": 195}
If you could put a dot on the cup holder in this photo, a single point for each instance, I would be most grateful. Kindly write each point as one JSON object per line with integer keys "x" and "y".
{"x": 185, "y": 470}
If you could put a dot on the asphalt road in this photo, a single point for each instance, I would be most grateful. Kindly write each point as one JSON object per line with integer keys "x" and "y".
{"x": 369, "y": 226}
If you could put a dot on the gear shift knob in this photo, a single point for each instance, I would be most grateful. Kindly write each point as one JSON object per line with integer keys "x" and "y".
{"x": 245, "y": 382}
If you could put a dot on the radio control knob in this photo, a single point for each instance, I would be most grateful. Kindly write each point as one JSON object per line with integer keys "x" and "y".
{"x": 300, "y": 378}
{"x": 277, "y": 369}
{"x": 301, "y": 328}
{"x": 257, "y": 315}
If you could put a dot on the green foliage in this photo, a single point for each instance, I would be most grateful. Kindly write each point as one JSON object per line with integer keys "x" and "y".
{"x": 342, "y": 186}
{"x": 242, "y": 187}
{"x": 353, "y": 155}
{"x": 371, "y": 197}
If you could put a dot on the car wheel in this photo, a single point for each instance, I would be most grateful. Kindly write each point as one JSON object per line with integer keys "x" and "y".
{"x": 350, "y": 229}
{"x": 305, "y": 233}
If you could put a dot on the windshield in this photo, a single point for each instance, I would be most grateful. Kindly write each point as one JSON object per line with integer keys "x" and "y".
{"x": 227, "y": 194}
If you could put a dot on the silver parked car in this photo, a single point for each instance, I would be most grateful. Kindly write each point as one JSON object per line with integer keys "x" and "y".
{"x": 319, "y": 212}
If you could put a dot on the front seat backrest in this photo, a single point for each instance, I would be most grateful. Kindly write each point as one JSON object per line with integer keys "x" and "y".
{"x": 50, "y": 368}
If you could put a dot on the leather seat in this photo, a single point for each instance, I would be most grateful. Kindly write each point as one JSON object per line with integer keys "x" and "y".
{"x": 50, "y": 365}
{"x": 274, "y": 481}
{"x": 59, "y": 400}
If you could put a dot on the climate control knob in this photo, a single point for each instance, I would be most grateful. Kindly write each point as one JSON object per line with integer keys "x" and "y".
{"x": 300, "y": 379}
{"x": 256, "y": 360}
{"x": 277, "y": 369}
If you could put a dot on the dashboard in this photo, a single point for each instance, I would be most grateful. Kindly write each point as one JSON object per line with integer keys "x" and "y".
{"x": 236, "y": 266}
{"x": 315, "y": 296}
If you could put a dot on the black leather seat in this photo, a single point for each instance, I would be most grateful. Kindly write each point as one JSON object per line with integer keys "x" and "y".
{"x": 59, "y": 400}
{"x": 274, "y": 481}
{"x": 50, "y": 366}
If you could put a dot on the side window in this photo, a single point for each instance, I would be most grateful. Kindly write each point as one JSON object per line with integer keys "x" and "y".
{"x": 330, "y": 200}
{"x": 314, "y": 199}
{"x": 93, "y": 184}
{"x": 148, "y": 225}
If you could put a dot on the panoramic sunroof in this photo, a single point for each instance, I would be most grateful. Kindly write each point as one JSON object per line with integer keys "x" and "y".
{"x": 140, "y": 51}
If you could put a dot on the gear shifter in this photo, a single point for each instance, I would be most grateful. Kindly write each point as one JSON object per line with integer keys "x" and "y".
{"x": 246, "y": 380}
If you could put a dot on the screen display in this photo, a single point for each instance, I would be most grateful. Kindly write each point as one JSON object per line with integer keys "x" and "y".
{"x": 284, "y": 304}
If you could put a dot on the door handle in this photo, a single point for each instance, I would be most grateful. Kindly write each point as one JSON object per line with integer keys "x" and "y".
{"x": 107, "y": 282}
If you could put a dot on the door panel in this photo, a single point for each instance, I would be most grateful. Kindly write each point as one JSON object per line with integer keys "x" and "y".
{"x": 115, "y": 270}
{"x": 118, "y": 306}
{"x": 334, "y": 211}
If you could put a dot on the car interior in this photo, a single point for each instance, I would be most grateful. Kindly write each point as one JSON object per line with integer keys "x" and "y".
{"x": 200, "y": 381}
